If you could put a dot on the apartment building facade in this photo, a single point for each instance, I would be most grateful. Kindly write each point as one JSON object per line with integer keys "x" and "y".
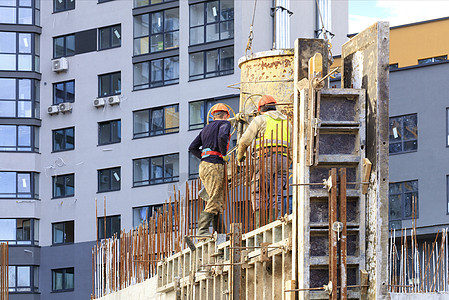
{"x": 99, "y": 101}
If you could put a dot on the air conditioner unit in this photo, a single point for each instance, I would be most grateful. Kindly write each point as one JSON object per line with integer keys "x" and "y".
{"x": 60, "y": 64}
{"x": 53, "y": 109}
{"x": 99, "y": 102}
{"x": 113, "y": 100}
{"x": 65, "y": 107}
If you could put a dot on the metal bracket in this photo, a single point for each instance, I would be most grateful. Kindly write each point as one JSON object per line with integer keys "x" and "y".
{"x": 328, "y": 287}
{"x": 264, "y": 252}
{"x": 337, "y": 227}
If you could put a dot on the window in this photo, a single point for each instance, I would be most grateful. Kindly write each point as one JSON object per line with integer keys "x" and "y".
{"x": 404, "y": 134}
{"x": 19, "y": 12}
{"x": 155, "y": 170}
{"x": 194, "y": 165}
{"x": 155, "y": 73}
{"x": 61, "y": 5}
{"x": 211, "y": 21}
{"x": 19, "y": 231}
{"x": 109, "y": 132}
{"x": 109, "y": 84}
{"x": 19, "y": 51}
{"x": 432, "y": 59}
{"x": 112, "y": 227}
{"x": 64, "y": 92}
{"x": 394, "y": 67}
{"x": 144, "y": 213}
{"x": 109, "y": 180}
{"x": 17, "y": 138}
{"x": 198, "y": 113}
{"x": 64, "y": 45}
{"x": 157, "y": 31}
{"x": 63, "y": 280}
{"x": 211, "y": 63}
{"x": 63, "y": 232}
{"x": 139, "y": 3}
{"x": 110, "y": 37}
{"x": 156, "y": 121}
{"x": 64, "y": 139}
{"x": 19, "y": 98}
{"x": 63, "y": 186}
{"x": 23, "y": 279}
{"x": 19, "y": 185}
{"x": 403, "y": 198}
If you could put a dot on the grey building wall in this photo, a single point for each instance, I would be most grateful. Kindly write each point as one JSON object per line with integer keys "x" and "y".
{"x": 423, "y": 90}
{"x": 88, "y": 157}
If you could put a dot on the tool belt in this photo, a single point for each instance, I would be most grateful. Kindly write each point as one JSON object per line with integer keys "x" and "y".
{"x": 208, "y": 152}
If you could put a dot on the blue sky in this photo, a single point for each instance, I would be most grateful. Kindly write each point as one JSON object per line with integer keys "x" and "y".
{"x": 363, "y": 13}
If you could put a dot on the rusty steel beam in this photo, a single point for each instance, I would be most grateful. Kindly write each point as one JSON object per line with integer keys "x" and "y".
{"x": 343, "y": 237}
{"x": 332, "y": 234}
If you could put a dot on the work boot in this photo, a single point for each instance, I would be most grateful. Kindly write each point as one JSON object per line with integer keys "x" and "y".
{"x": 216, "y": 222}
{"x": 204, "y": 222}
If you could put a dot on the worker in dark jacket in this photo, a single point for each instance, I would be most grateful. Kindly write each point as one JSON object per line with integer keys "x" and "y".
{"x": 211, "y": 146}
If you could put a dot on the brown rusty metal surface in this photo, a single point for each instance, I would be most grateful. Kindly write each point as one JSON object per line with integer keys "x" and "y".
{"x": 343, "y": 237}
{"x": 333, "y": 268}
{"x": 336, "y": 109}
{"x": 337, "y": 144}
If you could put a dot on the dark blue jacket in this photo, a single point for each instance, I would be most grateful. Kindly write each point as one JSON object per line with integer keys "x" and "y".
{"x": 214, "y": 136}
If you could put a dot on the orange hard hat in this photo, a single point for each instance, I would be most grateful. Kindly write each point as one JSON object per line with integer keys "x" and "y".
{"x": 264, "y": 100}
{"x": 220, "y": 107}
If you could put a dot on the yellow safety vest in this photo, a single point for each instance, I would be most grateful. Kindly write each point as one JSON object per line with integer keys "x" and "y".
{"x": 283, "y": 138}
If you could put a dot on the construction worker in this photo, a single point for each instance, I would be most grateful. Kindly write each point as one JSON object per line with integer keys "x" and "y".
{"x": 265, "y": 125}
{"x": 211, "y": 146}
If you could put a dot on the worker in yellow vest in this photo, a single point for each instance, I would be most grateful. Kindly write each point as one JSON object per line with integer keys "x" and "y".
{"x": 265, "y": 124}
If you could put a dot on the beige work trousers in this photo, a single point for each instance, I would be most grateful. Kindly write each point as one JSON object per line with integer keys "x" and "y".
{"x": 212, "y": 176}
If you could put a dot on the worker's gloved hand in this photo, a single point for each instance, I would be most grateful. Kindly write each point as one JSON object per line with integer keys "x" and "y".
{"x": 225, "y": 158}
{"x": 241, "y": 156}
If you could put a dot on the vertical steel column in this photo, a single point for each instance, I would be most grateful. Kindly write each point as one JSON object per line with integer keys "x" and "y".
{"x": 332, "y": 234}
{"x": 343, "y": 237}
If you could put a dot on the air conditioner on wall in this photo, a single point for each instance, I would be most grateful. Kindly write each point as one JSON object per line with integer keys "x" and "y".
{"x": 113, "y": 100}
{"x": 65, "y": 107}
{"x": 59, "y": 64}
{"x": 99, "y": 102}
{"x": 53, "y": 109}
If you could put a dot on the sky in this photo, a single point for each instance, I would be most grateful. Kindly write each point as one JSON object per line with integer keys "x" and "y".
{"x": 363, "y": 13}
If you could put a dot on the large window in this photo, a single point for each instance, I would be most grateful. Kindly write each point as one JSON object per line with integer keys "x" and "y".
{"x": 144, "y": 213}
{"x": 109, "y": 180}
{"x": 211, "y": 21}
{"x": 155, "y": 73}
{"x": 19, "y": 185}
{"x": 64, "y": 46}
{"x": 432, "y": 60}
{"x": 19, "y": 138}
{"x": 109, "y": 132}
{"x": 211, "y": 63}
{"x": 403, "y": 198}
{"x": 157, "y": 31}
{"x": 63, "y": 280}
{"x": 64, "y": 92}
{"x": 139, "y": 3}
{"x": 63, "y": 186}
{"x": 19, "y": 51}
{"x": 19, "y": 98}
{"x": 62, "y": 5}
{"x": 156, "y": 121}
{"x": 64, "y": 139}
{"x": 109, "y": 37}
{"x": 155, "y": 170}
{"x": 63, "y": 232}
{"x": 404, "y": 133}
{"x": 112, "y": 227}
{"x": 19, "y": 231}
{"x": 19, "y": 12}
{"x": 194, "y": 165}
{"x": 198, "y": 113}
{"x": 109, "y": 84}
{"x": 23, "y": 279}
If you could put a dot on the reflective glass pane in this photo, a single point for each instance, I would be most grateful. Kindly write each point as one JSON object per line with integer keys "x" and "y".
{"x": 411, "y": 127}
{"x": 58, "y": 47}
{"x": 58, "y": 233}
{"x": 227, "y": 10}
{"x": 196, "y": 35}
{"x": 141, "y": 46}
{"x": 8, "y": 2}
{"x": 157, "y": 168}
{"x": 395, "y": 207}
{"x": 138, "y": 3}
{"x": 395, "y": 129}
{"x": 25, "y": 3}
{"x": 196, "y": 14}
{"x": 116, "y": 36}
{"x": 25, "y": 16}
{"x": 69, "y": 138}
{"x": 70, "y": 45}
{"x": 226, "y": 30}
{"x": 172, "y": 19}
{"x": 115, "y": 179}
{"x": 58, "y": 186}
{"x": 57, "y": 280}
{"x": 141, "y": 123}
{"x": 157, "y": 42}
{"x": 70, "y": 185}
{"x": 212, "y": 61}
{"x": 227, "y": 58}
{"x": 23, "y": 230}
{"x": 157, "y": 22}
{"x": 70, "y": 91}
{"x": 141, "y": 75}
{"x": 7, "y": 62}
{"x": 212, "y": 32}
{"x": 58, "y": 93}
{"x": 156, "y": 70}
{"x": 69, "y": 279}
{"x": 105, "y": 36}
{"x": 105, "y": 133}
{"x": 23, "y": 184}
{"x": 116, "y": 83}
{"x": 7, "y": 88}
{"x": 171, "y": 68}
{"x": 116, "y": 131}
{"x": 157, "y": 121}
{"x": 70, "y": 4}
{"x": 8, "y": 135}
{"x": 69, "y": 232}
{"x": 115, "y": 225}
{"x": 25, "y": 63}
{"x": 196, "y": 114}
{"x": 194, "y": 164}
{"x": 7, "y": 15}
{"x": 171, "y": 40}
{"x": 7, "y": 109}
{"x": 212, "y": 11}
{"x": 7, "y": 229}
{"x": 171, "y": 118}
{"x": 196, "y": 66}
{"x": 171, "y": 165}
{"x": 23, "y": 276}
{"x": 105, "y": 85}
{"x": 141, "y": 25}
{"x": 104, "y": 180}
{"x": 7, "y": 42}
{"x": 24, "y": 136}
{"x": 12, "y": 276}
{"x": 24, "y": 89}
{"x": 141, "y": 171}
